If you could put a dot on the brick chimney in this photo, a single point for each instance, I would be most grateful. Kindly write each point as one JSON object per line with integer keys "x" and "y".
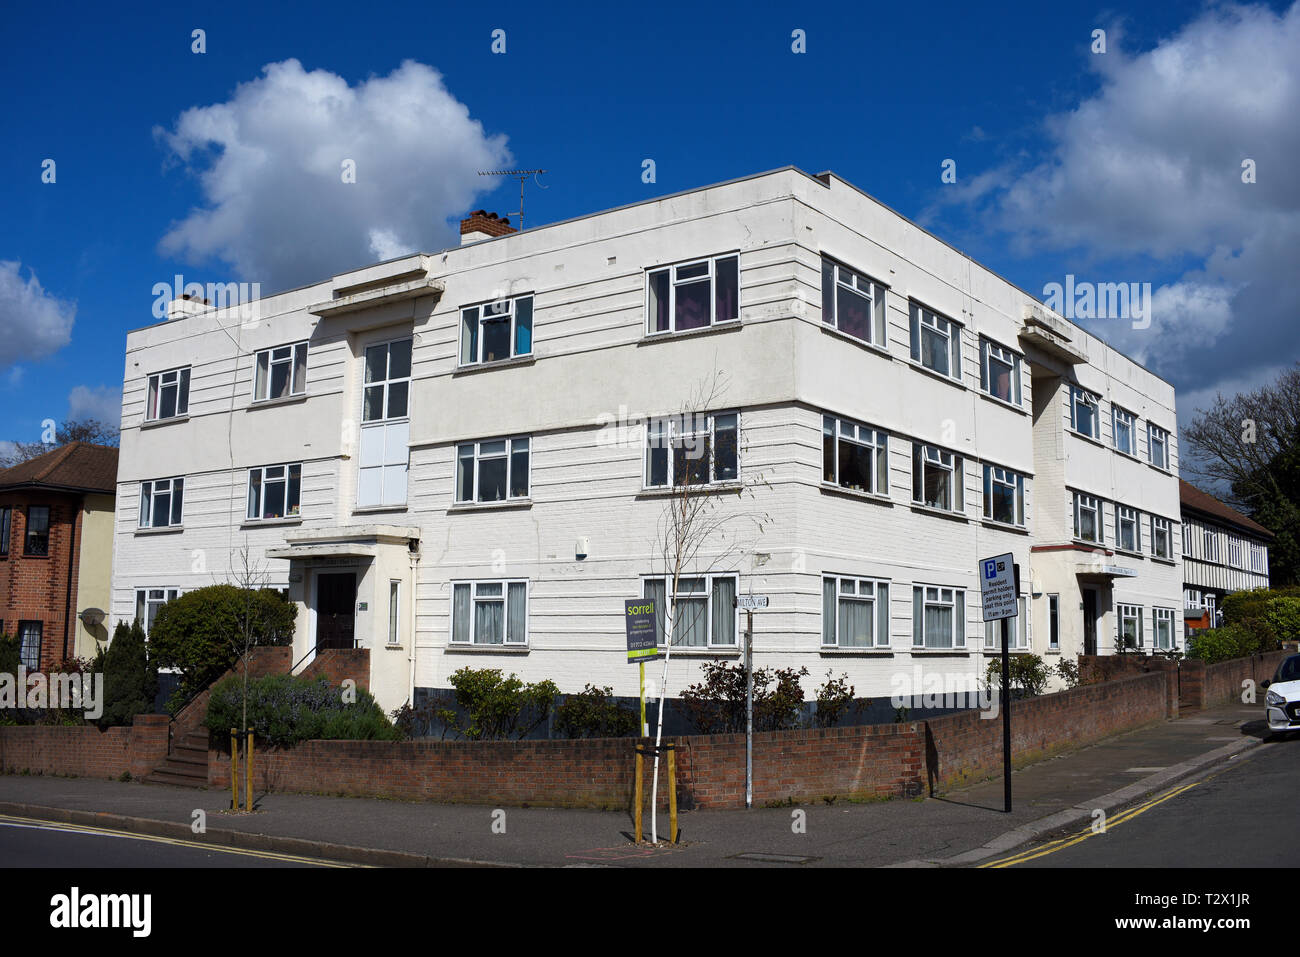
{"x": 483, "y": 225}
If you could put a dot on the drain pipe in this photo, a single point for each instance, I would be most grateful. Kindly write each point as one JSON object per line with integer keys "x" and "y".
{"x": 414, "y": 546}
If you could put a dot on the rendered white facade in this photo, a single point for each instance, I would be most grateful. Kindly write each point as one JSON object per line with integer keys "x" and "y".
{"x": 544, "y": 570}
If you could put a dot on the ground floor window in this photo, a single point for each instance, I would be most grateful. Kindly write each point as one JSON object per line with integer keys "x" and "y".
{"x": 489, "y": 612}
{"x": 1129, "y": 626}
{"x": 29, "y": 637}
{"x": 855, "y": 612}
{"x": 1053, "y": 621}
{"x": 147, "y": 603}
{"x": 938, "y": 617}
{"x": 1020, "y": 630}
{"x": 703, "y": 607}
{"x": 1163, "y": 619}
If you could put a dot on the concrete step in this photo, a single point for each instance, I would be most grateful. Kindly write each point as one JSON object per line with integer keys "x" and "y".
{"x": 164, "y": 776}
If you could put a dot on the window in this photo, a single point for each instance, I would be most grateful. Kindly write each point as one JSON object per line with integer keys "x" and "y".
{"x": 1163, "y": 620}
{"x": 1128, "y": 536}
{"x": 29, "y": 637}
{"x": 1160, "y": 537}
{"x": 169, "y": 394}
{"x": 690, "y": 449}
{"x": 1004, "y": 495}
{"x": 394, "y": 612}
{"x": 936, "y": 478}
{"x": 1158, "y": 446}
{"x": 936, "y": 342}
{"x": 853, "y": 304}
{"x": 280, "y": 372}
{"x": 274, "y": 491}
{"x": 938, "y": 617}
{"x": 147, "y": 603}
{"x": 1258, "y": 558}
{"x": 492, "y": 471}
{"x": 999, "y": 371}
{"x": 385, "y": 427}
{"x": 703, "y": 608}
{"x": 693, "y": 295}
{"x": 1087, "y": 518}
{"x": 855, "y": 612}
{"x": 1187, "y": 540}
{"x": 855, "y": 456}
{"x": 6, "y": 520}
{"x": 489, "y": 613}
{"x": 1129, "y": 623}
{"x": 1234, "y": 551}
{"x": 1122, "y": 426}
{"x": 1210, "y": 541}
{"x": 1053, "y": 621}
{"x": 1211, "y": 602}
{"x": 496, "y": 330}
{"x": 160, "y": 502}
{"x": 1019, "y": 629}
{"x": 1084, "y": 413}
{"x": 37, "y": 540}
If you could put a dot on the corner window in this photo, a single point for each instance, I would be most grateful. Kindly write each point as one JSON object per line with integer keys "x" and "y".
{"x": 37, "y": 540}
{"x": 938, "y": 617}
{"x": 1160, "y": 537}
{"x": 1158, "y": 446}
{"x": 1004, "y": 495}
{"x": 274, "y": 491}
{"x": 147, "y": 603}
{"x": 161, "y": 502}
{"x": 692, "y": 449}
{"x": 1128, "y": 536}
{"x": 853, "y": 304}
{"x": 703, "y": 608}
{"x": 855, "y": 612}
{"x": 693, "y": 295}
{"x": 1129, "y": 626}
{"x": 1087, "y": 518}
{"x": 29, "y": 639}
{"x": 489, "y": 613}
{"x": 1122, "y": 426}
{"x": 936, "y": 341}
{"x": 1163, "y": 620}
{"x": 855, "y": 456}
{"x": 492, "y": 471}
{"x": 999, "y": 371}
{"x": 280, "y": 372}
{"x": 497, "y": 330}
{"x": 169, "y": 394}
{"x": 1084, "y": 412}
{"x": 937, "y": 478}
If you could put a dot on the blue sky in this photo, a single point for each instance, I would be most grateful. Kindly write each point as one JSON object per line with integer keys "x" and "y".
{"x": 1122, "y": 166}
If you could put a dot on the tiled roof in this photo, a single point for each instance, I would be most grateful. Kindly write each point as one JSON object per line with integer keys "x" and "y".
{"x": 79, "y": 466}
{"x": 1193, "y": 498}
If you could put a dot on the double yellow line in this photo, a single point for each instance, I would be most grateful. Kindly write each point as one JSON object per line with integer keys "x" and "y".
{"x": 1051, "y": 847}
{"x": 174, "y": 842}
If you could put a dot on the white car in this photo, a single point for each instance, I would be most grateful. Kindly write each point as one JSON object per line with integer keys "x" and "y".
{"x": 1283, "y": 699}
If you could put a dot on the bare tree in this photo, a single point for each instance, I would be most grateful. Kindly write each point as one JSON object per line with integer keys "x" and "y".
{"x": 82, "y": 430}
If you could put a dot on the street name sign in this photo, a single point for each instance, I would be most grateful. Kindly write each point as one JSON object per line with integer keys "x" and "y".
{"x": 751, "y": 602}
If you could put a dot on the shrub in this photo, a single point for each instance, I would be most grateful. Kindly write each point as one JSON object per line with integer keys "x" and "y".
{"x": 834, "y": 699}
{"x": 283, "y": 710}
{"x": 592, "y": 713}
{"x": 1240, "y": 639}
{"x": 1066, "y": 669}
{"x": 130, "y": 678}
{"x": 198, "y": 632}
{"x": 1029, "y": 674}
{"x": 717, "y": 705}
{"x": 492, "y": 707}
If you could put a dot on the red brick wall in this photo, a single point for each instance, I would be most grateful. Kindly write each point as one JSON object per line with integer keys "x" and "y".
{"x": 272, "y": 660}
{"x": 1098, "y": 668}
{"x": 337, "y": 664}
{"x": 33, "y": 588}
{"x": 85, "y": 751}
{"x": 1208, "y": 686}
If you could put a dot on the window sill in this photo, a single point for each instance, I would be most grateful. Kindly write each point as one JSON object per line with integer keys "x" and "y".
{"x": 955, "y": 383}
{"x": 942, "y": 652}
{"x": 509, "y": 503}
{"x": 270, "y": 522}
{"x": 861, "y": 343}
{"x": 997, "y": 652}
{"x": 940, "y": 512}
{"x": 714, "y": 488}
{"x": 1161, "y": 469}
{"x": 374, "y": 509}
{"x": 721, "y": 651}
{"x": 729, "y": 325}
{"x": 1094, "y": 546}
{"x": 1128, "y": 455}
{"x": 163, "y": 530}
{"x": 1004, "y": 526}
{"x": 156, "y": 423}
{"x": 512, "y": 362}
{"x": 1087, "y": 438}
{"x": 832, "y": 651}
{"x": 392, "y": 647}
{"x": 997, "y": 400}
{"x": 471, "y": 649}
{"x": 1128, "y": 554}
{"x": 829, "y": 489}
{"x": 1163, "y": 561}
{"x": 283, "y": 400}
{"x": 29, "y": 555}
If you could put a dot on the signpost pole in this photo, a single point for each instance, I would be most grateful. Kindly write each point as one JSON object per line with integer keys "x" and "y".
{"x": 645, "y": 729}
{"x": 1006, "y": 715}
{"x": 749, "y": 709}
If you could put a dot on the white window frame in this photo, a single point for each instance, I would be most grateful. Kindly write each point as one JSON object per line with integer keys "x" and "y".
{"x": 394, "y": 612}
{"x": 1158, "y": 438}
{"x": 1187, "y": 540}
{"x": 995, "y": 475}
{"x": 387, "y": 383}
{"x": 266, "y": 360}
{"x": 512, "y": 445}
{"x": 926, "y": 457}
{"x": 1053, "y": 622}
{"x": 674, "y": 282}
{"x": 662, "y": 431}
{"x": 1080, "y": 396}
{"x": 708, "y": 594}
{"x": 150, "y": 490}
{"x": 158, "y": 384}
{"x": 924, "y": 318}
{"x": 1123, "y": 417}
{"x": 476, "y": 599}
{"x": 837, "y": 276}
{"x": 956, "y": 601}
{"x": 290, "y": 512}
{"x": 863, "y": 436}
{"x": 505, "y": 310}
{"x": 991, "y": 351}
{"x": 144, "y": 599}
{"x": 1021, "y": 633}
{"x": 1159, "y": 525}
{"x": 1126, "y": 514}
{"x": 1210, "y": 544}
{"x": 1234, "y": 552}
{"x": 1082, "y": 502}
{"x": 1166, "y": 616}
{"x": 865, "y": 591}
{"x": 384, "y": 439}
{"x": 1125, "y": 611}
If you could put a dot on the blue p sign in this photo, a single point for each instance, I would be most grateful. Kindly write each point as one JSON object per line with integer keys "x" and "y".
{"x": 990, "y": 569}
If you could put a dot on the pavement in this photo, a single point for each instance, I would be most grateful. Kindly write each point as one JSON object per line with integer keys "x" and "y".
{"x": 960, "y": 828}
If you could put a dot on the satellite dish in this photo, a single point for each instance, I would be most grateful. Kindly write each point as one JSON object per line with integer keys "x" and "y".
{"x": 92, "y": 617}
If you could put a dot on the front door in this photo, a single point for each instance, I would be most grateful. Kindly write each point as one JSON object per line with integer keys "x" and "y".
{"x": 1089, "y": 621}
{"x": 336, "y": 600}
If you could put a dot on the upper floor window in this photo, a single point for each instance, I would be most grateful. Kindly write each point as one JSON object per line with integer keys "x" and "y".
{"x": 37, "y": 539}
{"x": 1004, "y": 495}
{"x": 6, "y": 523}
{"x": 692, "y": 449}
{"x": 1160, "y": 530}
{"x": 938, "y": 617}
{"x": 385, "y": 427}
{"x": 274, "y": 491}
{"x": 703, "y": 608}
{"x": 853, "y": 304}
{"x": 1087, "y": 518}
{"x": 160, "y": 502}
{"x": 147, "y": 603}
{"x": 1122, "y": 427}
{"x": 388, "y": 381}
{"x": 693, "y": 295}
{"x": 492, "y": 471}
{"x": 1158, "y": 446}
{"x": 169, "y": 394}
{"x": 1210, "y": 541}
{"x": 937, "y": 478}
{"x": 936, "y": 341}
{"x": 855, "y": 456}
{"x": 855, "y": 612}
{"x": 1258, "y": 558}
{"x": 280, "y": 372}
{"x": 1234, "y": 551}
{"x": 489, "y": 613}
{"x": 1187, "y": 540}
{"x": 1084, "y": 412}
{"x": 1128, "y": 535}
{"x": 999, "y": 371}
{"x": 496, "y": 330}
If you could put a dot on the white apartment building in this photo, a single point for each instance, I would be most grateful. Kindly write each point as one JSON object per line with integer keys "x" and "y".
{"x": 465, "y": 458}
{"x": 1223, "y": 551}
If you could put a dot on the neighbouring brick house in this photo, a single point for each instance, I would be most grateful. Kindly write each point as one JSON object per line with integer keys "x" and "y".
{"x": 56, "y": 550}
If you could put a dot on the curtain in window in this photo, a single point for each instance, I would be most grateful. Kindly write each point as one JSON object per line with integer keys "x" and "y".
{"x": 488, "y": 622}
{"x": 855, "y": 624}
{"x": 960, "y": 632}
{"x": 524, "y": 326}
{"x": 828, "y": 611}
{"x": 460, "y": 613}
{"x": 656, "y": 591}
{"x": 882, "y": 614}
{"x": 724, "y": 615}
{"x": 517, "y": 598}
{"x": 30, "y": 648}
{"x": 918, "y": 616}
{"x": 938, "y": 626}
{"x": 691, "y": 627}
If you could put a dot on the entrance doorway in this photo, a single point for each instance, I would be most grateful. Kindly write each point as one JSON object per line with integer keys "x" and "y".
{"x": 1089, "y": 621}
{"x": 336, "y": 601}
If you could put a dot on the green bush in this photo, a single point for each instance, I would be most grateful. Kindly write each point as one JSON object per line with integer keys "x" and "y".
{"x": 493, "y": 707}
{"x": 1250, "y": 636}
{"x": 593, "y": 713}
{"x": 283, "y": 710}
{"x": 130, "y": 678}
{"x": 201, "y": 632}
{"x": 834, "y": 699}
{"x": 1067, "y": 669}
{"x": 1029, "y": 674}
{"x": 717, "y": 704}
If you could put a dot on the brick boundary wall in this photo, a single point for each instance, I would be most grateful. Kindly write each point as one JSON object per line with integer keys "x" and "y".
{"x": 85, "y": 750}
{"x": 264, "y": 660}
{"x": 337, "y": 664}
{"x": 1094, "y": 669}
{"x": 1213, "y": 685}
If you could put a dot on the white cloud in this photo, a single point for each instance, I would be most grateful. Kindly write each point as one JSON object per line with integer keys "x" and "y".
{"x": 270, "y": 163}
{"x": 100, "y": 402}
{"x": 33, "y": 324}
